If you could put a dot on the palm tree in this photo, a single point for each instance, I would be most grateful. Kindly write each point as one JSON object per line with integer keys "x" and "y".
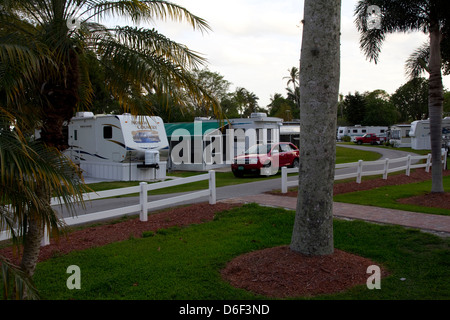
{"x": 28, "y": 170}
{"x": 429, "y": 16}
{"x": 45, "y": 49}
{"x": 319, "y": 87}
{"x": 293, "y": 79}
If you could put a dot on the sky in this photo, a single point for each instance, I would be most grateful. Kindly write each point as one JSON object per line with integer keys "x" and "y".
{"x": 254, "y": 43}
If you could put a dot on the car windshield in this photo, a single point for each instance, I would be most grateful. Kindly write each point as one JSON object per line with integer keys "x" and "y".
{"x": 259, "y": 149}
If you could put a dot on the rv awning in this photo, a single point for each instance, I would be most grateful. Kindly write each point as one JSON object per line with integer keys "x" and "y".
{"x": 194, "y": 128}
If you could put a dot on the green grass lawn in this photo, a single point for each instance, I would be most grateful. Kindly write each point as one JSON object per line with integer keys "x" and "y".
{"x": 387, "y": 196}
{"x": 185, "y": 263}
{"x": 420, "y": 152}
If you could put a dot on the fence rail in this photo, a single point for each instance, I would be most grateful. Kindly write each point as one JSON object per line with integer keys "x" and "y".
{"x": 143, "y": 205}
{"x": 359, "y": 172}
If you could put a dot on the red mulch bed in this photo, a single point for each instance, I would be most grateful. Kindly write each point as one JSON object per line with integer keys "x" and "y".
{"x": 281, "y": 273}
{"x": 275, "y": 272}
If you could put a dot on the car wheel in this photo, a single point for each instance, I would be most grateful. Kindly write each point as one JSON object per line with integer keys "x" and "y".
{"x": 359, "y": 142}
{"x": 295, "y": 163}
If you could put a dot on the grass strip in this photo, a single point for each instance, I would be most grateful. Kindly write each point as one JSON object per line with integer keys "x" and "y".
{"x": 388, "y": 196}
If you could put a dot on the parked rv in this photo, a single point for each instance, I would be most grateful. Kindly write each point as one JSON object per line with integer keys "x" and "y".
{"x": 399, "y": 136}
{"x": 359, "y": 131}
{"x": 114, "y": 138}
{"x": 118, "y": 147}
{"x": 420, "y": 134}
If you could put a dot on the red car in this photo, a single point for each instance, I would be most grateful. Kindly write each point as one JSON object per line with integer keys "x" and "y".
{"x": 266, "y": 159}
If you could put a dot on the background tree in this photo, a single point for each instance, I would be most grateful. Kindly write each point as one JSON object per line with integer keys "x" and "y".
{"x": 246, "y": 101}
{"x": 293, "y": 79}
{"x": 354, "y": 108}
{"x": 217, "y": 87}
{"x": 281, "y": 107}
{"x": 411, "y": 100}
{"x": 380, "y": 111}
{"x": 319, "y": 88}
{"x": 431, "y": 17}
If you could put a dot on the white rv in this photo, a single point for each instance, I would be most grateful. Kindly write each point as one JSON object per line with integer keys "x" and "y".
{"x": 420, "y": 133}
{"x": 97, "y": 142}
{"x": 359, "y": 131}
{"x": 399, "y": 136}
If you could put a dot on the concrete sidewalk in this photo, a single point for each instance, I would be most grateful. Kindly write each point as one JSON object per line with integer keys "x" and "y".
{"x": 427, "y": 222}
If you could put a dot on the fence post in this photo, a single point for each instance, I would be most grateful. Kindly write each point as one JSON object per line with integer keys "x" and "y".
{"x": 143, "y": 216}
{"x": 408, "y": 165}
{"x": 445, "y": 159}
{"x": 212, "y": 187}
{"x": 359, "y": 172}
{"x": 427, "y": 169}
{"x": 283, "y": 179}
{"x": 46, "y": 237}
{"x": 386, "y": 168}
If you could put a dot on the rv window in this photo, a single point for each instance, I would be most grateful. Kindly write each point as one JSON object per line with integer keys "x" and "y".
{"x": 407, "y": 133}
{"x": 355, "y": 131}
{"x": 107, "y": 132}
{"x": 364, "y": 130}
{"x": 382, "y": 130}
{"x": 75, "y": 134}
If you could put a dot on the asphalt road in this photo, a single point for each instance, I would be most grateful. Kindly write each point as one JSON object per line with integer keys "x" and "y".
{"x": 227, "y": 192}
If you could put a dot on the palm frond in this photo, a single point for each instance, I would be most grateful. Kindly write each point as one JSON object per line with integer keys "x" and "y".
{"x": 27, "y": 168}
{"x": 417, "y": 63}
{"x": 396, "y": 16}
{"x": 143, "y": 11}
{"x": 16, "y": 282}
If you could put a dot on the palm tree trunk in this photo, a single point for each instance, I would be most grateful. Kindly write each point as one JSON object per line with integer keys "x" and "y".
{"x": 31, "y": 247}
{"x": 435, "y": 107}
{"x": 319, "y": 88}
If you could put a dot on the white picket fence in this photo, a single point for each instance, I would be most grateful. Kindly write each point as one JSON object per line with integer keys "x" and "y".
{"x": 359, "y": 172}
{"x": 143, "y": 205}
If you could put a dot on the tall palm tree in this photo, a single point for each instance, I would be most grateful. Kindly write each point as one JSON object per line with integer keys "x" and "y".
{"x": 293, "y": 78}
{"x": 44, "y": 48}
{"x": 431, "y": 17}
{"x": 319, "y": 87}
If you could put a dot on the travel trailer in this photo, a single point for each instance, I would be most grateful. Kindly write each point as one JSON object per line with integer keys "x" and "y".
{"x": 359, "y": 131}
{"x": 399, "y": 136}
{"x": 97, "y": 142}
{"x": 420, "y": 133}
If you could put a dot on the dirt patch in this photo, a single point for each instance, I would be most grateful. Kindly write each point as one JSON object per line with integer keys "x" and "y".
{"x": 281, "y": 273}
